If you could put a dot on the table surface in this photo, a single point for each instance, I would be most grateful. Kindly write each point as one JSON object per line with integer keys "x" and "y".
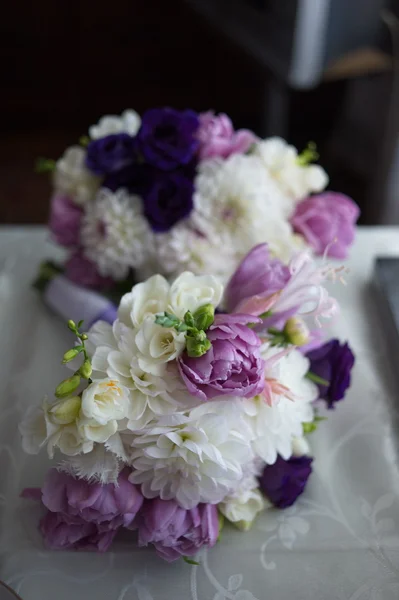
{"x": 341, "y": 539}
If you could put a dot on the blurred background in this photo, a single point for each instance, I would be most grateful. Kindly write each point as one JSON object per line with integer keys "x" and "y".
{"x": 320, "y": 70}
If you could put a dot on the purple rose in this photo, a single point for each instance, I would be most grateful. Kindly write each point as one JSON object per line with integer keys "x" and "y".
{"x": 83, "y": 271}
{"x": 257, "y": 277}
{"x": 333, "y": 362}
{"x": 175, "y": 531}
{"x": 284, "y": 481}
{"x": 65, "y": 219}
{"x": 168, "y": 200}
{"x": 218, "y": 138}
{"x": 232, "y": 366}
{"x": 327, "y": 221}
{"x": 111, "y": 154}
{"x": 167, "y": 137}
{"x": 85, "y": 516}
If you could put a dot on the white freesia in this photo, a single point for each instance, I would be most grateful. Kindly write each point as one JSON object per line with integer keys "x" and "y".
{"x": 128, "y": 122}
{"x": 35, "y": 429}
{"x": 145, "y": 299}
{"x": 115, "y": 234}
{"x": 105, "y": 401}
{"x": 189, "y": 292}
{"x": 157, "y": 345}
{"x": 70, "y": 441}
{"x": 194, "y": 458}
{"x": 93, "y": 431}
{"x": 241, "y": 510}
{"x": 73, "y": 178}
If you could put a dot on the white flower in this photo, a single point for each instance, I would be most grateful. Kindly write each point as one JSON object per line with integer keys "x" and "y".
{"x": 105, "y": 401}
{"x": 93, "y": 431}
{"x": 157, "y": 345}
{"x": 295, "y": 180}
{"x": 115, "y": 234}
{"x": 73, "y": 178}
{"x": 145, "y": 299}
{"x": 35, "y": 429}
{"x": 194, "y": 458}
{"x": 300, "y": 446}
{"x": 129, "y": 122}
{"x": 70, "y": 441}
{"x": 274, "y": 426}
{"x": 189, "y": 292}
{"x": 242, "y": 509}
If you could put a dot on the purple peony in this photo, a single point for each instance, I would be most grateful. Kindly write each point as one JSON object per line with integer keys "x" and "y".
{"x": 82, "y": 515}
{"x": 327, "y": 221}
{"x": 168, "y": 200}
{"x": 111, "y": 154}
{"x": 333, "y": 362}
{"x": 65, "y": 219}
{"x": 175, "y": 531}
{"x": 167, "y": 137}
{"x": 232, "y": 366}
{"x": 258, "y": 276}
{"x": 284, "y": 481}
{"x": 218, "y": 138}
{"x": 83, "y": 271}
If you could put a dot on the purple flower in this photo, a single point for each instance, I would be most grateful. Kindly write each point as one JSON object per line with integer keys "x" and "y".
{"x": 168, "y": 200}
{"x": 111, "y": 153}
{"x": 175, "y": 531}
{"x": 333, "y": 362}
{"x": 327, "y": 221}
{"x": 83, "y": 271}
{"x": 167, "y": 137}
{"x": 84, "y": 516}
{"x": 284, "y": 481}
{"x": 65, "y": 218}
{"x": 258, "y": 276}
{"x": 232, "y": 366}
{"x": 136, "y": 178}
{"x": 218, "y": 138}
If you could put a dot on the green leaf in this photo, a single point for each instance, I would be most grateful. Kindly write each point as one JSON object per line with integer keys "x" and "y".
{"x": 190, "y": 561}
{"x": 316, "y": 379}
{"x": 84, "y": 140}
{"x": 181, "y": 327}
{"x": 44, "y": 165}
{"x": 80, "y": 323}
{"x": 309, "y": 427}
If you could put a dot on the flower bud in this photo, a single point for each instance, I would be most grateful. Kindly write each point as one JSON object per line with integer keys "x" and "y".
{"x": 70, "y": 355}
{"x": 84, "y": 337}
{"x": 68, "y": 386}
{"x": 72, "y": 325}
{"x": 65, "y": 411}
{"x": 86, "y": 369}
{"x": 204, "y": 316}
{"x": 296, "y": 332}
{"x": 196, "y": 346}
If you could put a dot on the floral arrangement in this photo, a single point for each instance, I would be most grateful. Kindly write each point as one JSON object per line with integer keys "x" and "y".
{"x": 193, "y": 407}
{"x": 176, "y": 190}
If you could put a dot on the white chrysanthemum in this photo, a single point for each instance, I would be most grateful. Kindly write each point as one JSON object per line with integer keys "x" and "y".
{"x": 274, "y": 426}
{"x": 73, "y": 178}
{"x": 129, "y": 122}
{"x": 295, "y": 180}
{"x": 194, "y": 458}
{"x": 115, "y": 234}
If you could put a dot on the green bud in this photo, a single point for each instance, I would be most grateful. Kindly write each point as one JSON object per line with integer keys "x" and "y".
{"x": 67, "y": 387}
{"x": 72, "y": 325}
{"x": 84, "y": 337}
{"x": 189, "y": 319}
{"x": 66, "y": 411}
{"x": 296, "y": 332}
{"x": 86, "y": 369}
{"x": 195, "y": 347}
{"x": 204, "y": 316}
{"x": 70, "y": 355}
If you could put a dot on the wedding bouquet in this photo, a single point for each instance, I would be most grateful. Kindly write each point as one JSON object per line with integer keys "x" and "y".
{"x": 177, "y": 191}
{"x": 193, "y": 407}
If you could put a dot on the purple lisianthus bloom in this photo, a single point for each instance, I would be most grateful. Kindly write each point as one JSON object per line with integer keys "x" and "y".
{"x": 136, "y": 178}
{"x": 111, "y": 153}
{"x": 333, "y": 362}
{"x": 168, "y": 200}
{"x": 175, "y": 531}
{"x": 65, "y": 220}
{"x": 82, "y": 515}
{"x": 328, "y": 222}
{"x": 167, "y": 137}
{"x": 83, "y": 271}
{"x": 232, "y": 366}
{"x": 218, "y": 138}
{"x": 284, "y": 481}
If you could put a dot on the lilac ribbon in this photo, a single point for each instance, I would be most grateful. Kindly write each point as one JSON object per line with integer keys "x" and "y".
{"x": 71, "y": 301}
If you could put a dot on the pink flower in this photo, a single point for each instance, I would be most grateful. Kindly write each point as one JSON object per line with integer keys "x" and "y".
{"x": 218, "y": 138}
{"x": 327, "y": 222}
{"x": 83, "y": 271}
{"x": 65, "y": 218}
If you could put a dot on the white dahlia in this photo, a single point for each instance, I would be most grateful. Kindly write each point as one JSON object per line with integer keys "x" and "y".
{"x": 193, "y": 458}
{"x": 129, "y": 122}
{"x": 115, "y": 234}
{"x": 73, "y": 178}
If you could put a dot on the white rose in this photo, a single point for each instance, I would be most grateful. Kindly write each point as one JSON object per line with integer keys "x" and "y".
{"x": 129, "y": 122}
{"x": 73, "y": 178}
{"x": 189, "y": 292}
{"x": 300, "y": 446}
{"x": 105, "y": 401}
{"x": 145, "y": 299}
{"x": 92, "y": 431}
{"x": 157, "y": 346}
{"x": 242, "y": 510}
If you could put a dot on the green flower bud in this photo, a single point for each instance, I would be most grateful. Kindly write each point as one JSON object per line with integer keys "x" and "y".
{"x": 72, "y": 325}
{"x": 70, "y": 355}
{"x": 86, "y": 369}
{"x": 67, "y": 387}
{"x": 296, "y": 332}
{"x": 84, "y": 337}
{"x": 196, "y": 347}
{"x": 204, "y": 316}
{"x": 66, "y": 411}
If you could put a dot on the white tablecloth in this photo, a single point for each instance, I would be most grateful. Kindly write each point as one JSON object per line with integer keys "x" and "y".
{"x": 340, "y": 541}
